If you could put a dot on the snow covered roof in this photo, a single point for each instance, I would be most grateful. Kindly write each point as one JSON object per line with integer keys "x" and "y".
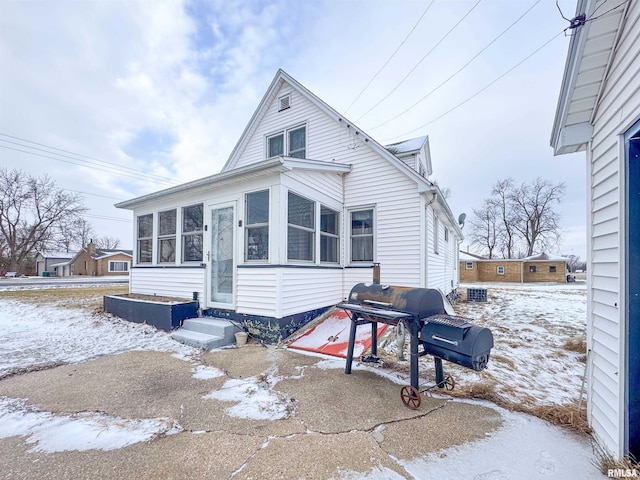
{"x": 57, "y": 254}
{"x": 104, "y": 253}
{"x": 545, "y": 256}
{"x": 406, "y": 146}
{"x": 466, "y": 256}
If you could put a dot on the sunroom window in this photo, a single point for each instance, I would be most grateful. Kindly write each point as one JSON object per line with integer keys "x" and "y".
{"x": 192, "y": 221}
{"x": 329, "y": 235}
{"x": 256, "y": 236}
{"x": 362, "y": 235}
{"x": 301, "y": 228}
{"x": 167, "y": 236}
{"x": 145, "y": 238}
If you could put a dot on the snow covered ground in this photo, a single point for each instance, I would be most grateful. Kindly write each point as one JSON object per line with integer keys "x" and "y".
{"x": 535, "y": 328}
{"x": 530, "y": 325}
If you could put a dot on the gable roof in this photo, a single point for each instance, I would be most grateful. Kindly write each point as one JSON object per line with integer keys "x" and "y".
{"x": 588, "y": 61}
{"x": 283, "y": 77}
{"x": 104, "y": 253}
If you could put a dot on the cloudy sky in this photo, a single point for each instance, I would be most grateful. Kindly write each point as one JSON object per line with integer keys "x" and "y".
{"x": 119, "y": 98}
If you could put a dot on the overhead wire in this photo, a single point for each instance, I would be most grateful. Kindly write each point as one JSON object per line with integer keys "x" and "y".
{"x": 391, "y": 57}
{"x": 95, "y": 167}
{"x": 459, "y": 70}
{"x": 421, "y": 60}
{"x": 479, "y": 91}
{"x": 74, "y": 156}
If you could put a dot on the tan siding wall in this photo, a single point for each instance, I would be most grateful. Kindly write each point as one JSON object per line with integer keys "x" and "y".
{"x": 486, "y": 271}
{"x": 102, "y": 265}
{"x": 619, "y": 107}
{"x": 84, "y": 265}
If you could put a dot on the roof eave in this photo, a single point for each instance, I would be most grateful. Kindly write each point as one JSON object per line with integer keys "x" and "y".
{"x": 571, "y": 68}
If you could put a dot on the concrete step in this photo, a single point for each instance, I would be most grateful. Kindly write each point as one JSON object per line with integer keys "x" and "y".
{"x": 198, "y": 339}
{"x": 211, "y": 326}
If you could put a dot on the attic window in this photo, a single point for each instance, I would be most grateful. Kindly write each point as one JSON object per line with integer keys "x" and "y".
{"x": 284, "y": 103}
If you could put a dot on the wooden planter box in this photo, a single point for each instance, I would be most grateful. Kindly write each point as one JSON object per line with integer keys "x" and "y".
{"x": 163, "y": 315}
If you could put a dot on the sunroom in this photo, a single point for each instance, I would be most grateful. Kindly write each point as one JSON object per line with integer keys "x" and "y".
{"x": 265, "y": 240}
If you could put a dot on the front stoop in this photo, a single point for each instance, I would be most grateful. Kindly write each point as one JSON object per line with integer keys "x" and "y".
{"x": 205, "y": 333}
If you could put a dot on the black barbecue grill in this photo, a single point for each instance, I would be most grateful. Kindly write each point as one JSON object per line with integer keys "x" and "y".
{"x": 422, "y": 312}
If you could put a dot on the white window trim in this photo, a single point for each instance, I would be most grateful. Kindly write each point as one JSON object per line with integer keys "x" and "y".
{"x": 329, "y": 235}
{"x": 312, "y": 230}
{"x": 126, "y": 262}
{"x": 469, "y": 265}
{"x": 348, "y": 234}
{"x": 498, "y": 268}
{"x": 138, "y": 239}
{"x": 246, "y": 227}
{"x": 169, "y": 236}
{"x": 285, "y": 140}
{"x": 184, "y": 234}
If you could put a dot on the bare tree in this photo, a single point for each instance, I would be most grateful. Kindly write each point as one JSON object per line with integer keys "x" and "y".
{"x": 30, "y": 210}
{"x": 501, "y": 198}
{"x": 109, "y": 243}
{"x": 72, "y": 234}
{"x": 485, "y": 226}
{"x": 536, "y": 220}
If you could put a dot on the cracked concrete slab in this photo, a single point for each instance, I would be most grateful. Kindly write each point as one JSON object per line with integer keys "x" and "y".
{"x": 341, "y": 423}
{"x": 185, "y": 456}
{"x": 319, "y": 455}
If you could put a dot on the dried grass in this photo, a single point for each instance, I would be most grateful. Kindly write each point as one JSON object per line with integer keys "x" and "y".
{"x": 576, "y": 344}
{"x": 605, "y": 462}
{"x": 566, "y": 416}
{"x": 71, "y": 297}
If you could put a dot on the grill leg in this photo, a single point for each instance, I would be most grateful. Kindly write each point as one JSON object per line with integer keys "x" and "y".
{"x": 439, "y": 373}
{"x": 374, "y": 339}
{"x": 414, "y": 354}
{"x": 352, "y": 341}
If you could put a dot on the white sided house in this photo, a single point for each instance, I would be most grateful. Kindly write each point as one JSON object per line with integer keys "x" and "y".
{"x": 305, "y": 206}
{"x": 599, "y": 113}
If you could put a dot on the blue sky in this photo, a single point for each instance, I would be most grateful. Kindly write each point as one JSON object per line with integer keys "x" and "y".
{"x": 167, "y": 88}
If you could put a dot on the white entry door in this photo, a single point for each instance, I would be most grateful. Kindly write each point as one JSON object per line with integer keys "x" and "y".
{"x": 222, "y": 261}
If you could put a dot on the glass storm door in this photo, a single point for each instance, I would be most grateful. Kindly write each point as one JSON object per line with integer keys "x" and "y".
{"x": 222, "y": 258}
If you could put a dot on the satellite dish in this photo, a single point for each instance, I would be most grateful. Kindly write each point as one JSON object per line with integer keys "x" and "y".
{"x": 462, "y": 218}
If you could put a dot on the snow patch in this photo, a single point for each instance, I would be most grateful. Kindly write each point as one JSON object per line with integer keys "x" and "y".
{"x": 255, "y": 399}
{"x": 84, "y": 431}
{"x": 205, "y": 372}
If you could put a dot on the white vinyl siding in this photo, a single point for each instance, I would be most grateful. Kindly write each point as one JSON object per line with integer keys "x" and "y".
{"x": 618, "y": 109}
{"x": 258, "y": 291}
{"x": 170, "y": 282}
{"x": 305, "y": 289}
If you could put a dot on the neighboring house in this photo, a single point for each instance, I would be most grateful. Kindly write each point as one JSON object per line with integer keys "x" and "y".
{"x": 98, "y": 262}
{"x": 537, "y": 268}
{"x": 45, "y": 261}
{"x": 599, "y": 112}
{"x": 303, "y": 208}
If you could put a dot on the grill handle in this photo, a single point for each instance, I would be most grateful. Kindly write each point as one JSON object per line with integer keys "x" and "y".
{"x": 445, "y": 340}
{"x": 379, "y": 304}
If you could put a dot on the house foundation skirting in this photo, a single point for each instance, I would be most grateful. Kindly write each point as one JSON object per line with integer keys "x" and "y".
{"x": 268, "y": 329}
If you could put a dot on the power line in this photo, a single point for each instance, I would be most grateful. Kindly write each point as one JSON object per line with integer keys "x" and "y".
{"x": 421, "y": 60}
{"x": 93, "y": 194}
{"x": 103, "y": 217}
{"x": 121, "y": 167}
{"x": 392, "y": 55}
{"x": 460, "y": 69}
{"x": 479, "y": 91}
{"x": 131, "y": 175}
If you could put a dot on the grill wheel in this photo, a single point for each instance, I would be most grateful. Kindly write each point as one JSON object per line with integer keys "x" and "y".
{"x": 410, "y": 396}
